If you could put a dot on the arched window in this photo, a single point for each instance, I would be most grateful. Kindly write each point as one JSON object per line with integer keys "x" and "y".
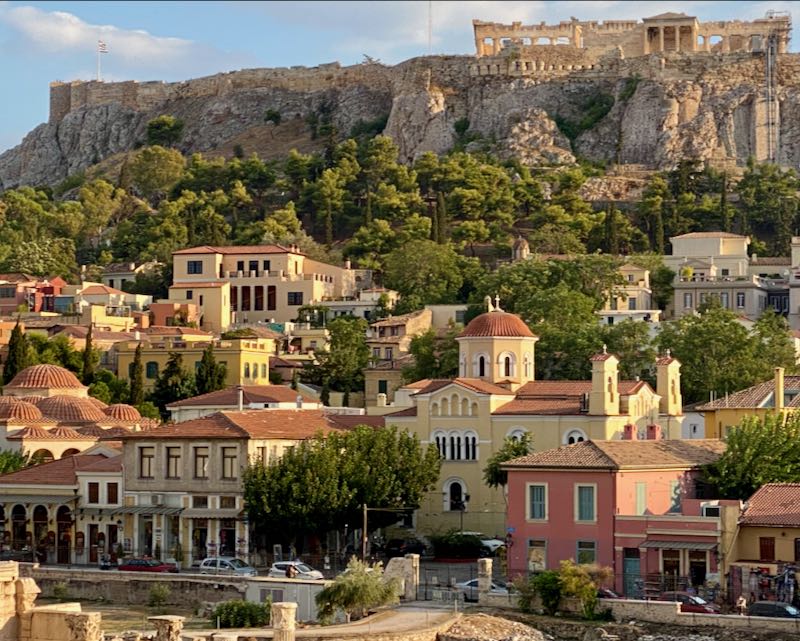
{"x": 440, "y": 439}
{"x": 470, "y": 446}
{"x": 454, "y": 492}
{"x": 574, "y": 436}
{"x": 70, "y": 452}
{"x": 474, "y": 409}
{"x": 43, "y": 456}
{"x": 516, "y": 433}
{"x": 454, "y": 404}
{"x": 455, "y": 446}
{"x": 527, "y": 366}
{"x": 435, "y": 409}
{"x": 462, "y": 366}
{"x": 464, "y": 407}
{"x": 481, "y": 366}
{"x": 445, "y": 407}
{"x": 247, "y": 370}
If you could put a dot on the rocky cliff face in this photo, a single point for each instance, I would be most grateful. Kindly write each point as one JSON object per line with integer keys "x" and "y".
{"x": 678, "y": 108}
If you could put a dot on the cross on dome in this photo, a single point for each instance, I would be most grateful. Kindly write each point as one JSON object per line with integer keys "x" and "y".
{"x": 497, "y": 303}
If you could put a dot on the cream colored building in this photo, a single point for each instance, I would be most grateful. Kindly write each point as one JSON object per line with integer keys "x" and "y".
{"x": 631, "y": 301}
{"x": 497, "y": 396}
{"x": 268, "y": 283}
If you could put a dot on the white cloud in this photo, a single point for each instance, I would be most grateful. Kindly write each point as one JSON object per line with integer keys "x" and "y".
{"x": 133, "y": 50}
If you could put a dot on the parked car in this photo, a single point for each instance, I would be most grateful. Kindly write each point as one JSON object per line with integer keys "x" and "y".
{"x": 691, "y": 602}
{"x": 304, "y": 571}
{"x": 146, "y": 565}
{"x": 227, "y": 565}
{"x": 773, "y": 609}
{"x": 470, "y": 589}
{"x": 401, "y": 547}
{"x": 490, "y": 544}
{"x": 26, "y": 555}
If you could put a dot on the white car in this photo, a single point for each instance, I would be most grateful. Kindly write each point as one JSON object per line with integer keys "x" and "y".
{"x": 227, "y": 565}
{"x": 304, "y": 571}
{"x": 470, "y": 589}
{"x": 490, "y": 544}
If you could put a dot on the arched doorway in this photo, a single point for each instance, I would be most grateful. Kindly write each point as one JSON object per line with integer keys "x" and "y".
{"x": 19, "y": 517}
{"x": 42, "y": 456}
{"x": 40, "y": 517}
{"x": 63, "y": 534}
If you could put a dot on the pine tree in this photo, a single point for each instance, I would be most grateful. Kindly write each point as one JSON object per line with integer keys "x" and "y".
{"x": 17, "y": 359}
{"x": 137, "y": 378}
{"x": 88, "y": 359}
{"x": 210, "y": 375}
{"x": 441, "y": 219}
{"x": 173, "y": 384}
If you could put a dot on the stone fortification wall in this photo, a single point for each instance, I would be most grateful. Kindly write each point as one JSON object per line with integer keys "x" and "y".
{"x": 69, "y": 96}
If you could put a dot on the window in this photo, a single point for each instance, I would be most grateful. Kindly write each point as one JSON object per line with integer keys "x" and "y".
{"x": 255, "y": 370}
{"x": 200, "y": 501}
{"x": 261, "y": 455}
{"x": 110, "y": 284}
{"x": 147, "y": 457}
{"x": 259, "y": 303}
{"x": 229, "y": 466}
{"x": 245, "y": 299}
{"x": 766, "y": 548}
{"x": 253, "y": 266}
{"x": 797, "y": 551}
{"x": 740, "y": 300}
{"x": 201, "y": 299}
{"x": 586, "y": 552}
{"x": 507, "y": 366}
{"x": 457, "y": 498}
{"x": 389, "y": 353}
{"x": 376, "y": 353}
{"x": 585, "y": 507}
{"x": 537, "y": 555}
{"x": 8, "y": 292}
{"x": 227, "y": 502}
{"x": 726, "y": 272}
{"x": 112, "y": 493}
{"x": 266, "y": 265}
{"x": 687, "y": 301}
{"x": 201, "y": 462}
{"x": 247, "y": 370}
{"x": 641, "y": 498}
{"x": 537, "y": 502}
{"x": 632, "y": 303}
{"x": 151, "y": 369}
{"x": 294, "y": 298}
{"x": 240, "y": 266}
{"x": 263, "y": 370}
{"x": 235, "y": 299}
{"x": 94, "y": 493}
{"x": 574, "y": 436}
{"x": 173, "y": 462}
{"x": 194, "y": 267}
{"x": 189, "y": 294}
{"x": 271, "y": 297}
{"x": 481, "y": 366}
{"x": 383, "y": 386}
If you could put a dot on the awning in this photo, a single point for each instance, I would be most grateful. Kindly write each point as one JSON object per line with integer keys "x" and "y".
{"x": 679, "y": 545}
{"x": 206, "y": 513}
{"x": 36, "y": 499}
{"x": 147, "y": 509}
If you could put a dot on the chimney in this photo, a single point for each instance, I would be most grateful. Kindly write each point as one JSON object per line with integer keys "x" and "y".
{"x": 630, "y": 433}
{"x": 240, "y": 392}
{"x": 299, "y": 402}
{"x": 779, "y": 388}
{"x": 654, "y": 432}
{"x": 381, "y": 400}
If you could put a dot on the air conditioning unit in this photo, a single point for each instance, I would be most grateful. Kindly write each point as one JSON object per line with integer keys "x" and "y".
{"x": 710, "y": 510}
{"x": 156, "y": 499}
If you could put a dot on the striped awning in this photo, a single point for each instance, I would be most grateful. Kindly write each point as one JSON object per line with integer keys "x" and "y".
{"x": 37, "y": 499}
{"x": 147, "y": 509}
{"x": 206, "y": 513}
{"x": 679, "y": 545}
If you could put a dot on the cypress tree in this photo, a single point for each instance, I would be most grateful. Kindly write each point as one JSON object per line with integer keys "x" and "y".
{"x": 210, "y": 375}
{"x": 17, "y": 359}
{"x": 441, "y": 219}
{"x": 325, "y": 394}
{"x": 137, "y": 378}
{"x": 88, "y": 359}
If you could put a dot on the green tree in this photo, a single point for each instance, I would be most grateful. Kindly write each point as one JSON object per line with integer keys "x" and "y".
{"x": 164, "y": 130}
{"x": 17, "y": 359}
{"x": 90, "y": 358}
{"x": 435, "y": 356}
{"x": 433, "y": 276}
{"x": 210, "y": 375}
{"x": 173, "y": 384}
{"x": 758, "y": 451}
{"x": 136, "y": 375}
{"x": 329, "y": 196}
{"x": 341, "y": 364}
{"x": 631, "y": 343}
{"x": 155, "y": 170}
{"x": 512, "y": 448}
{"x": 356, "y": 590}
{"x": 581, "y": 581}
{"x": 12, "y": 460}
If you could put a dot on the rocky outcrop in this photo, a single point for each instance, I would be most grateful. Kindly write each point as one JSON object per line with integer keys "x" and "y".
{"x": 679, "y": 106}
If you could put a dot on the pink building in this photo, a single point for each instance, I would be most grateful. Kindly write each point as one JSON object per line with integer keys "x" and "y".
{"x": 18, "y": 289}
{"x": 630, "y": 505}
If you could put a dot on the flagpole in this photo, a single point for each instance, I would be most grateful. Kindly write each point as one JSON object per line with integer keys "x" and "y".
{"x": 98, "y": 62}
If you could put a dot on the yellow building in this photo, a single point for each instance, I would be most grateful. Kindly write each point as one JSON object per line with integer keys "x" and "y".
{"x": 267, "y": 282}
{"x": 781, "y": 394}
{"x": 246, "y": 359}
{"x": 496, "y": 396}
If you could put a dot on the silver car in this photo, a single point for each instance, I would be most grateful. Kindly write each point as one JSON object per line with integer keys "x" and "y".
{"x": 470, "y": 589}
{"x": 301, "y": 570}
{"x": 227, "y": 565}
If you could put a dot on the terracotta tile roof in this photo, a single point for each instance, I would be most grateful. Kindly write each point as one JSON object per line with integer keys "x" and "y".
{"x": 625, "y": 454}
{"x": 62, "y": 432}
{"x": 163, "y": 330}
{"x": 17, "y": 277}
{"x": 474, "y": 384}
{"x": 556, "y": 397}
{"x": 277, "y": 361}
{"x": 349, "y": 421}
{"x": 31, "y": 432}
{"x": 709, "y": 234}
{"x": 245, "y": 249}
{"x": 497, "y": 323}
{"x": 229, "y": 397}
{"x": 755, "y": 396}
{"x": 256, "y": 424}
{"x": 199, "y": 285}
{"x": 555, "y": 406}
{"x": 770, "y": 260}
{"x": 99, "y": 290}
{"x": 665, "y": 360}
{"x": 602, "y": 356}
{"x": 45, "y": 377}
{"x": 80, "y": 331}
{"x": 420, "y": 384}
{"x": 408, "y": 411}
{"x": 58, "y": 472}
{"x": 397, "y": 320}
{"x": 773, "y": 504}
{"x": 110, "y": 464}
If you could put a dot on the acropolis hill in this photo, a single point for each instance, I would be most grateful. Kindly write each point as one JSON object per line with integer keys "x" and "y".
{"x": 674, "y": 88}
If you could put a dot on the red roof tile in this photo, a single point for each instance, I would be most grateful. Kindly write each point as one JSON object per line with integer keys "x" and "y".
{"x": 200, "y": 285}
{"x": 773, "y": 505}
{"x": 45, "y": 377}
{"x": 58, "y": 472}
{"x": 408, "y": 411}
{"x": 99, "y": 290}
{"x": 248, "y": 249}
{"x": 496, "y": 323}
{"x": 709, "y": 234}
{"x": 229, "y": 397}
{"x": 474, "y": 384}
{"x": 755, "y": 396}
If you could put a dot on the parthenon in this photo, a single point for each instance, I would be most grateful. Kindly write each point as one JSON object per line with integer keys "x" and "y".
{"x": 666, "y": 32}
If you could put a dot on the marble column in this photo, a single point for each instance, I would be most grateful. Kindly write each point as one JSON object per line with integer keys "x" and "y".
{"x": 661, "y": 39}
{"x": 283, "y": 620}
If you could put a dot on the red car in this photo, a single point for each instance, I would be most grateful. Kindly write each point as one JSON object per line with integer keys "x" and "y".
{"x": 147, "y": 565}
{"x": 691, "y": 602}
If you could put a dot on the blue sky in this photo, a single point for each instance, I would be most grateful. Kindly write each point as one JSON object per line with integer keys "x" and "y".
{"x": 45, "y": 41}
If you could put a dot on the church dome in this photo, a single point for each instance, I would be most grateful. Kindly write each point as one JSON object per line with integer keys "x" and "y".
{"x": 70, "y": 409}
{"x": 97, "y": 403}
{"x": 45, "y": 377}
{"x": 497, "y": 323}
{"x": 20, "y": 411}
{"x": 123, "y": 412}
